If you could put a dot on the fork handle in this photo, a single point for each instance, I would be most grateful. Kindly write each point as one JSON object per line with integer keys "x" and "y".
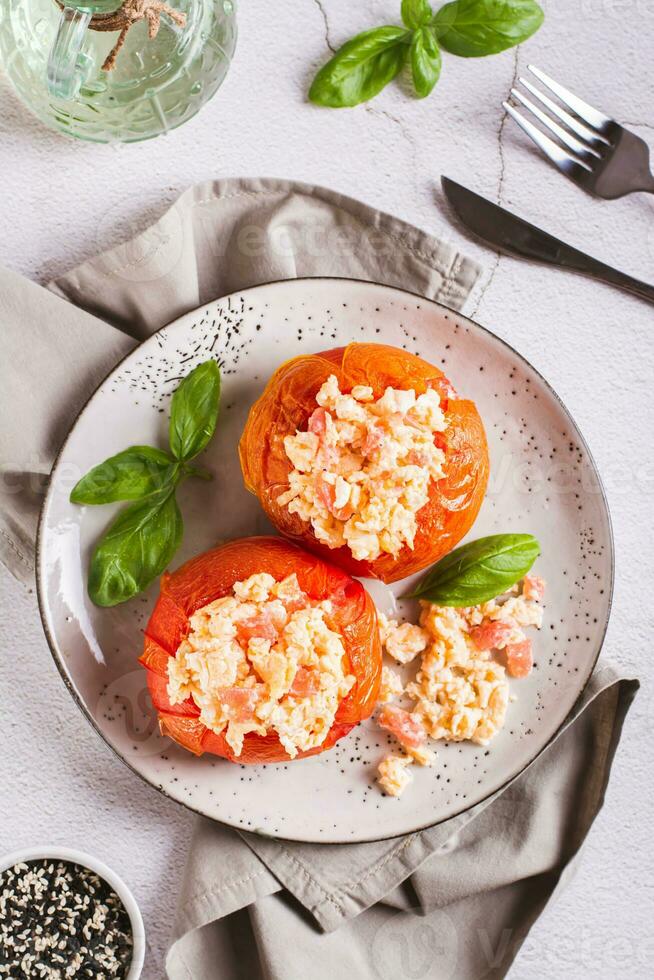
{"x": 647, "y": 184}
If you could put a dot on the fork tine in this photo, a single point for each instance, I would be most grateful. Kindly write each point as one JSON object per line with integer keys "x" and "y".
{"x": 559, "y": 157}
{"x": 586, "y": 112}
{"x": 585, "y": 132}
{"x": 586, "y": 154}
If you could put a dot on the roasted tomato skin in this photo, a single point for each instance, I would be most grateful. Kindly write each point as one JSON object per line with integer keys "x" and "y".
{"x": 286, "y": 405}
{"x": 210, "y": 576}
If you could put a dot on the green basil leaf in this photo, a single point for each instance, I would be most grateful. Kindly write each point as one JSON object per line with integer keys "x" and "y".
{"x": 480, "y": 570}
{"x": 137, "y": 547}
{"x": 361, "y": 68}
{"x": 416, "y": 13}
{"x": 474, "y": 28}
{"x": 130, "y": 475}
{"x": 425, "y": 57}
{"x": 194, "y": 411}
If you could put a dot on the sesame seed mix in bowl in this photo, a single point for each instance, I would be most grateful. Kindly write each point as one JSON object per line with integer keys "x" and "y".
{"x": 61, "y": 920}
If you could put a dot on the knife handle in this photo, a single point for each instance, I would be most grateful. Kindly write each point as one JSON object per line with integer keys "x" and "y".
{"x": 621, "y": 279}
{"x": 571, "y": 258}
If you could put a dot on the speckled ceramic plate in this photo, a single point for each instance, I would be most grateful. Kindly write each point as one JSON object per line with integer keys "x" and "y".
{"x": 543, "y": 481}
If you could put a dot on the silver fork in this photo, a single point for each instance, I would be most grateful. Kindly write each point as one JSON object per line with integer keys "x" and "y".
{"x": 600, "y": 154}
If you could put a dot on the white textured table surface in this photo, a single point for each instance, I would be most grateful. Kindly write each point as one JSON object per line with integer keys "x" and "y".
{"x": 63, "y": 201}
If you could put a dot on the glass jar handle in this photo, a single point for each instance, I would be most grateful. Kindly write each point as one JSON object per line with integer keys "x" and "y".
{"x": 65, "y": 75}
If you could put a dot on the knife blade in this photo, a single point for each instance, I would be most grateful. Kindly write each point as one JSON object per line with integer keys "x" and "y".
{"x": 515, "y": 236}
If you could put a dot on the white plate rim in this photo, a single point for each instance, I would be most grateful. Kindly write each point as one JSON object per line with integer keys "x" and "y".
{"x": 40, "y": 572}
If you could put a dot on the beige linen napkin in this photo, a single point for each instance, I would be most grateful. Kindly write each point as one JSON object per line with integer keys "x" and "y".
{"x": 220, "y": 236}
{"x": 454, "y": 901}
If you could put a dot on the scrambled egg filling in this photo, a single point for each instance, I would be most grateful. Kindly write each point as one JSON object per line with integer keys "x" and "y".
{"x": 460, "y": 691}
{"x": 363, "y": 467}
{"x": 394, "y": 776}
{"x": 263, "y": 660}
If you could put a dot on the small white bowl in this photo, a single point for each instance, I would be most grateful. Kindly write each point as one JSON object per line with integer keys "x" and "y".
{"x": 103, "y": 871}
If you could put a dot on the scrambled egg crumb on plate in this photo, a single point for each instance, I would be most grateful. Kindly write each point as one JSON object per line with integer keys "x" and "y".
{"x": 263, "y": 660}
{"x": 460, "y": 691}
{"x": 361, "y": 471}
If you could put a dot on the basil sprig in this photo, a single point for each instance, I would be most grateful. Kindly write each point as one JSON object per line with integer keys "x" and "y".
{"x": 365, "y": 64}
{"x": 142, "y": 540}
{"x": 479, "y": 571}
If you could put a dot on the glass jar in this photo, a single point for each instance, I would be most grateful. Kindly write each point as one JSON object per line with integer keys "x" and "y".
{"x": 54, "y": 59}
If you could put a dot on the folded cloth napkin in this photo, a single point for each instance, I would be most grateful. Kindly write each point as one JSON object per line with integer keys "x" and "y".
{"x": 453, "y": 901}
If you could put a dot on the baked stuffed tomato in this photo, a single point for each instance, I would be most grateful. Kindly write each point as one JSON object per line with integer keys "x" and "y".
{"x": 367, "y": 456}
{"x": 260, "y": 652}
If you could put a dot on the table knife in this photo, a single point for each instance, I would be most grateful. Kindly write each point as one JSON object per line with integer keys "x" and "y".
{"x": 511, "y": 234}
